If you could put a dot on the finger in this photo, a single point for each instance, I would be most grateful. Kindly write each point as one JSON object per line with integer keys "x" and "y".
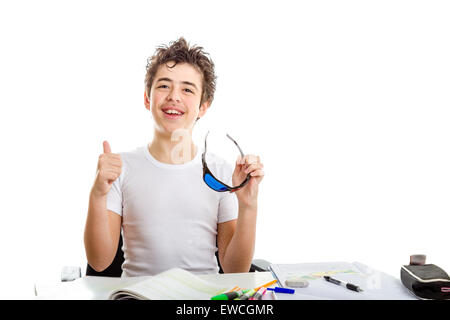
{"x": 252, "y": 167}
{"x": 115, "y": 164}
{"x": 114, "y": 170}
{"x": 108, "y": 159}
{"x": 111, "y": 174}
{"x": 242, "y": 159}
{"x": 113, "y": 160}
{"x": 257, "y": 173}
{"x": 250, "y": 158}
{"x": 114, "y": 156}
{"x": 106, "y": 147}
{"x": 239, "y": 168}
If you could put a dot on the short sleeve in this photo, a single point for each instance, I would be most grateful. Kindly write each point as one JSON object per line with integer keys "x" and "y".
{"x": 228, "y": 207}
{"x": 228, "y": 204}
{"x": 114, "y": 198}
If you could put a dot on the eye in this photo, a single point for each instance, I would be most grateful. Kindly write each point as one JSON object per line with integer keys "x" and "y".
{"x": 189, "y": 90}
{"x": 162, "y": 86}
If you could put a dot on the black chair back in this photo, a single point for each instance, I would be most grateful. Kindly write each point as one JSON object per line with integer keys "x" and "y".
{"x": 114, "y": 269}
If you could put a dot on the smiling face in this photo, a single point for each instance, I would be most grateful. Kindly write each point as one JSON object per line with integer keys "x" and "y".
{"x": 175, "y": 98}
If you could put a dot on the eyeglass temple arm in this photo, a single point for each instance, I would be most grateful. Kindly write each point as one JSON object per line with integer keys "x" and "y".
{"x": 240, "y": 150}
{"x": 242, "y": 155}
{"x": 205, "y": 142}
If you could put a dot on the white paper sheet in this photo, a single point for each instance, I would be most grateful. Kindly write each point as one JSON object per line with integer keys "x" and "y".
{"x": 376, "y": 285}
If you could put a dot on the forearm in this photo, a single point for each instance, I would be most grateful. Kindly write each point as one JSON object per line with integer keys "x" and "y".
{"x": 98, "y": 240}
{"x": 239, "y": 253}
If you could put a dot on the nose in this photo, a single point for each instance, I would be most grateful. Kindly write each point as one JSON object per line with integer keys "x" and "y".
{"x": 173, "y": 95}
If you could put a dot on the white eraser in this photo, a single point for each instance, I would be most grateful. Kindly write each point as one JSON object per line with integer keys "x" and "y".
{"x": 70, "y": 273}
{"x": 417, "y": 259}
{"x": 296, "y": 282}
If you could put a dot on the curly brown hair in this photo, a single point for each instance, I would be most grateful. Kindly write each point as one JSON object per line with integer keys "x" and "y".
{"x": 180, "y": 51}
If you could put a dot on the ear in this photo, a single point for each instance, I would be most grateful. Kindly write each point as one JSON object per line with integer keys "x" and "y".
{"x": 146, "y": 101}
{"x": 203, "y": 108}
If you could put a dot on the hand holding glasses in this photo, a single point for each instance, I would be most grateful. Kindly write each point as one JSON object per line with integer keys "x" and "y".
{"x": 215, "y": 183}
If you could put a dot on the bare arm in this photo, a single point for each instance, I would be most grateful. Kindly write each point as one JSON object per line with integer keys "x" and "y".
{"x": 236, "y": 241}
{"x": 101, "y": 234}
{"x": 102, "y": 230}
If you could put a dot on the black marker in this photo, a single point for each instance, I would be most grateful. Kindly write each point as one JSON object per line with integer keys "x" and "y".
{"x": 344, "y": 284}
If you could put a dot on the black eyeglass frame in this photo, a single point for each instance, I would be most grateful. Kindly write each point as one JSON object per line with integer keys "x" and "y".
{"x": 207, "y": 171}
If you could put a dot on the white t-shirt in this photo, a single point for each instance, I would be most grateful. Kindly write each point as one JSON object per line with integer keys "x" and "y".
{"x": 169, "y": 215}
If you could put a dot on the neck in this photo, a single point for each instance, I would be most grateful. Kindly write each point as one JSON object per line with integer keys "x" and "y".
{"x": 175, "y": 148}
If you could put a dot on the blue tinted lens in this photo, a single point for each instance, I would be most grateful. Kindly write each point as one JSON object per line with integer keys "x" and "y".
{"x": 213, "y": 183}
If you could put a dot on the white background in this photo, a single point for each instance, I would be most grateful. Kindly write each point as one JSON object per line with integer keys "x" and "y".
{"x": 346, "y": 102}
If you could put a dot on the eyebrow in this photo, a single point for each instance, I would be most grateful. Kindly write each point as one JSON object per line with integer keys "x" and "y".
{"x": 183, "y": 82}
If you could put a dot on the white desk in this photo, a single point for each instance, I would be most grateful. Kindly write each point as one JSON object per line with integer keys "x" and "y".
{"x": 99, "y": 288}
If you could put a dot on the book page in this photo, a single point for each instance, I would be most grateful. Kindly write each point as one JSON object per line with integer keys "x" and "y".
{"x": 376, "y": 285}
{"x": 174, "y": 284}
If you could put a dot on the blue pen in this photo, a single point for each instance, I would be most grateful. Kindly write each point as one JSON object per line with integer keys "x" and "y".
{"x": 282, "y": 290}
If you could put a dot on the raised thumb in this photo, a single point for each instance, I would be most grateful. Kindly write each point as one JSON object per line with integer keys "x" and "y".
{"x": 106, "y": 147}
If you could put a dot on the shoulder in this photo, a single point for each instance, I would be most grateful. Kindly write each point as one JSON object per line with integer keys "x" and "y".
{"x": 132, "y": 159}
{"x": 133, "y": 155}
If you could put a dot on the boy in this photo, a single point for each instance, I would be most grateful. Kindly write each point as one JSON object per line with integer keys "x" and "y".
{"x": 169, "y": 216}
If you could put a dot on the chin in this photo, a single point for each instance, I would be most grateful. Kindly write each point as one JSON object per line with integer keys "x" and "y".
{"x": 177, "y": 130}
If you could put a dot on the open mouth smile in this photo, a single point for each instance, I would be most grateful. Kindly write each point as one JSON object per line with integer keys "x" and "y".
{"x": 172, "y": 113}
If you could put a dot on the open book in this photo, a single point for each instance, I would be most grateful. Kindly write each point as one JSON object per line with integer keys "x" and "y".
{"x": 173, "y": 284}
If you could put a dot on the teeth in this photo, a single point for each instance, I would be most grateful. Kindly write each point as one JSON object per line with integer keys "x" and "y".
{"x": 172, "y": 112}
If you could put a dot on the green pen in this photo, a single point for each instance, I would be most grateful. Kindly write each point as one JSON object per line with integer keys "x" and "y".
{"x": 230, "y": 295}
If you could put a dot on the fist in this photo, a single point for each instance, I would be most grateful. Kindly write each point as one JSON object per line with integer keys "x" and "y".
{"x": 109, "y": 168}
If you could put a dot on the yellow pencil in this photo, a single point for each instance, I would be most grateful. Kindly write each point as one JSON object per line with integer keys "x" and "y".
{"x": 268, "y": 284}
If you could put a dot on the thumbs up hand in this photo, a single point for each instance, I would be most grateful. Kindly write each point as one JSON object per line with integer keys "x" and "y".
{"x": 109, "y": 168}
